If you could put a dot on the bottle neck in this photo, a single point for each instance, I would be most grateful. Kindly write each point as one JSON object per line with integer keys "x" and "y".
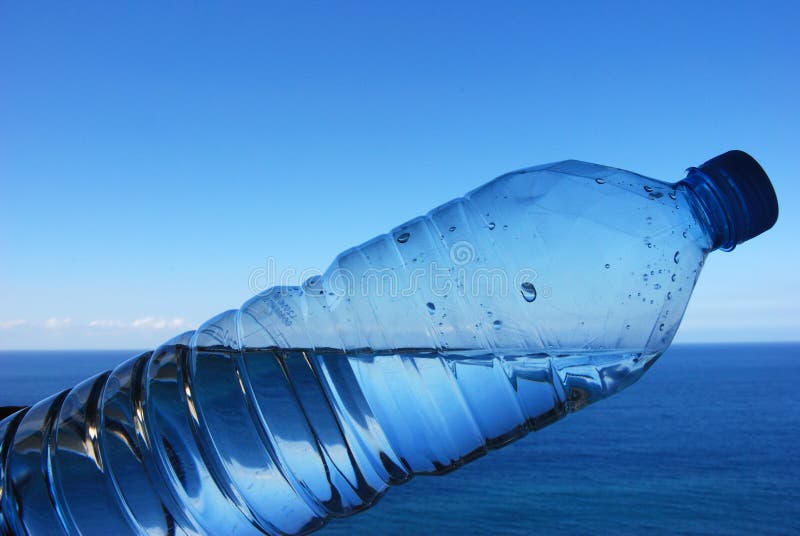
{"x": 720, "y": 210}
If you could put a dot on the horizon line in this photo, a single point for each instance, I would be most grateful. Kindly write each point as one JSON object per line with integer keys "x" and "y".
{"x": 687, "y": 343}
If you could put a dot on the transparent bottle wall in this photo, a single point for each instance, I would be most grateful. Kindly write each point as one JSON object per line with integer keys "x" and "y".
{"x": 495, "y": 314}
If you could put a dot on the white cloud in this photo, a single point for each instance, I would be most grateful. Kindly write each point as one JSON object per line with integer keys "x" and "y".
{"x": 150, "y": 322}
{"x": 106, "y": 324}
{"x": 11, "y": 324}
{"x": 57, "y": 323}
{"x": 145, "y": 323}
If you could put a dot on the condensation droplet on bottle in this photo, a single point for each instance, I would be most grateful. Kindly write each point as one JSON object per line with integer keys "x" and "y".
{"x": 452, "y": 228}
{"x": 648, "y": 189}
{"x": 607, "y": 266}
{"x": 661, "y": 327}
{"x": 685, "y": 235}
{"x": 657, "y": 286}
{"x": 627, "y": 326}
{"x": 669, "y": 295}
{"x": 649, "y": 220}
{"x": 497, "y": 324}
{"x": 600, "y": 181}
{"x": 491, "y": 226}
{"x": 431, "y": 307}
{"x": 313, "y": 286}
{"x": 676, "y": 257}
{"x": 528, "y": 291}
{"x": 403, "y": 238}
{"x": 673, "y": 195}
{"x": 674, "y": 277}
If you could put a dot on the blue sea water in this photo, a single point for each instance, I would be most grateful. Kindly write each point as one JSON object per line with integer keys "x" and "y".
{"x": 707, "y": 442}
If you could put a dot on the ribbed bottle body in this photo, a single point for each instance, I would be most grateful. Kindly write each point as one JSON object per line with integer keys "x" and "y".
{"x": 493, "y": 315}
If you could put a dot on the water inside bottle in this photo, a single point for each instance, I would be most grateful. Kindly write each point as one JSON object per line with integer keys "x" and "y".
{"x": 428, "y": 412}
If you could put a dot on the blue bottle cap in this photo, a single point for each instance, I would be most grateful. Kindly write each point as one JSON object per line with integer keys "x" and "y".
{"x": 743, "y": 181}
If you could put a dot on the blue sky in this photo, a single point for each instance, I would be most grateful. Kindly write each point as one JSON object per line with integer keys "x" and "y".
{"x": 153, "y": 157}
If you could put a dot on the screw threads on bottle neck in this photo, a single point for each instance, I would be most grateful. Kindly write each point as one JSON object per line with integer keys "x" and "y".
{"x": 714, "y": 209}
{"x": 735, "y": 197}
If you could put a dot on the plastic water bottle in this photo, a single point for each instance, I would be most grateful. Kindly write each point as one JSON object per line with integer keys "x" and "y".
{"x": 495, "y": 314}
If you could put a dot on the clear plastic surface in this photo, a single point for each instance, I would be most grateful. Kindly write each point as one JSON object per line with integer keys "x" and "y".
{"x": 495, "y": 314}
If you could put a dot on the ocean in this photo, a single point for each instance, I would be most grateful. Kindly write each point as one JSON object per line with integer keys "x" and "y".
{"x": 707, "y": 442}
